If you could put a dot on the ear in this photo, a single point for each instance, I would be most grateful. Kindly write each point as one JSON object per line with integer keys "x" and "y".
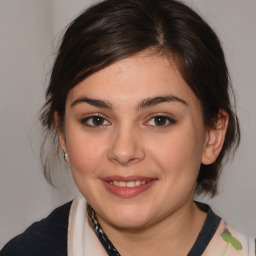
{"x": 61, "y": 134}
{"x": 215, "y": 138}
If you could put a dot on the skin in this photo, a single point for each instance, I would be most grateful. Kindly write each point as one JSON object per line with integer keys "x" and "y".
{"x": 128, "y": 140}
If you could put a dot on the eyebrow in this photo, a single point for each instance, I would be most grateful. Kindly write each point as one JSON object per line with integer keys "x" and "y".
{"x": 149, "y": 102}
{"x": 92, "y": 102}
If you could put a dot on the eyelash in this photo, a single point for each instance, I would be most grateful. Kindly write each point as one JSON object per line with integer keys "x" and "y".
{"x": 85, "y": 121}
{"x": 166, "y": 119}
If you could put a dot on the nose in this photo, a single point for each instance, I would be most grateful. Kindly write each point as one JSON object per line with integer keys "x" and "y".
{"x": 125, "y": 147}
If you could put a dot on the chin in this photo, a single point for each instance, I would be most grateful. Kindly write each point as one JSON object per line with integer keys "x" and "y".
{"x": 130, "y": 223}
{"x": 128, "y": 217}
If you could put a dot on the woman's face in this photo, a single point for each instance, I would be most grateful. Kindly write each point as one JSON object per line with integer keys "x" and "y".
{"x": 135, "y": 138}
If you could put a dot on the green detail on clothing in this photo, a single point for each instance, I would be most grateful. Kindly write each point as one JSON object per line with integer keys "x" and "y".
{"x": 227, "y": 237}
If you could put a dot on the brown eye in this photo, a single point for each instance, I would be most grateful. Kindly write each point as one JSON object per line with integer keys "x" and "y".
{"x": 94, "y": 121}
{"x": 97, "y": 120}
{"x": 160, "y": 120}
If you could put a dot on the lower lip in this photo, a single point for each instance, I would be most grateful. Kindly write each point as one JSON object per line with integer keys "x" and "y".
{"x": 126, "y": 192}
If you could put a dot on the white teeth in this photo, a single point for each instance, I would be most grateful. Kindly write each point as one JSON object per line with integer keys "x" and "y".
{"x": 116, "y": 183}
{"x": 122, "y": 184}
{"x": 129, "y": 184}
{"x": 137, "y": 183}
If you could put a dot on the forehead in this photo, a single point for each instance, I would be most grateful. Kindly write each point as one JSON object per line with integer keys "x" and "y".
{"x": 143, "y": 75}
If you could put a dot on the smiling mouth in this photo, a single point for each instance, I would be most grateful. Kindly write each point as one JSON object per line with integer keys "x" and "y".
{"x": 128, "y": 187}
{"x": 129, "y": 184}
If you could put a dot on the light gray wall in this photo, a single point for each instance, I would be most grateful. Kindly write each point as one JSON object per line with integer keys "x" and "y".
{"x": 25, "y": 31}
{"x": 28, "y": 32}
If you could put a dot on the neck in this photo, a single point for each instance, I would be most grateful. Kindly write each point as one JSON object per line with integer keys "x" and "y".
{"x": 176, "y": 233}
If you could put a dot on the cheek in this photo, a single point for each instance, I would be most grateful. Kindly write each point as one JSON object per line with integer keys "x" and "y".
{"x": 180, "y": 154}
{"x": 85, "y": 155}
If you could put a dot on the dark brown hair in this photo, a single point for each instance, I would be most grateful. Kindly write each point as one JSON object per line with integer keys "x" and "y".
{"x": 114, "y": 29}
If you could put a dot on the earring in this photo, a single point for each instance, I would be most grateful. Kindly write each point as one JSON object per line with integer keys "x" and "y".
{"x": 65, "y": 157}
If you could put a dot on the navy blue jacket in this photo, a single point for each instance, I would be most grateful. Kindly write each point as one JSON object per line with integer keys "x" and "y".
{"x": 47, "y": 237}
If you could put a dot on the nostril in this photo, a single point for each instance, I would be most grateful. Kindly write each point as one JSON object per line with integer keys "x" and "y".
{"x": 125, "y": 147}
{"x": 124, "y": 161}
{"x": 126, "y": 158}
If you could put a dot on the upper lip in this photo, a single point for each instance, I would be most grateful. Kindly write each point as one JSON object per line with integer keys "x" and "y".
{"x": 128, "y": 178}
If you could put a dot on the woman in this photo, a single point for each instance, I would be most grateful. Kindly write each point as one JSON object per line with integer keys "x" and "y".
{"x": 139, "y": 100}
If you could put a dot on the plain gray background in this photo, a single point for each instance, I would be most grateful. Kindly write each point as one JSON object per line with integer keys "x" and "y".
{"x": 29, "y": 31}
